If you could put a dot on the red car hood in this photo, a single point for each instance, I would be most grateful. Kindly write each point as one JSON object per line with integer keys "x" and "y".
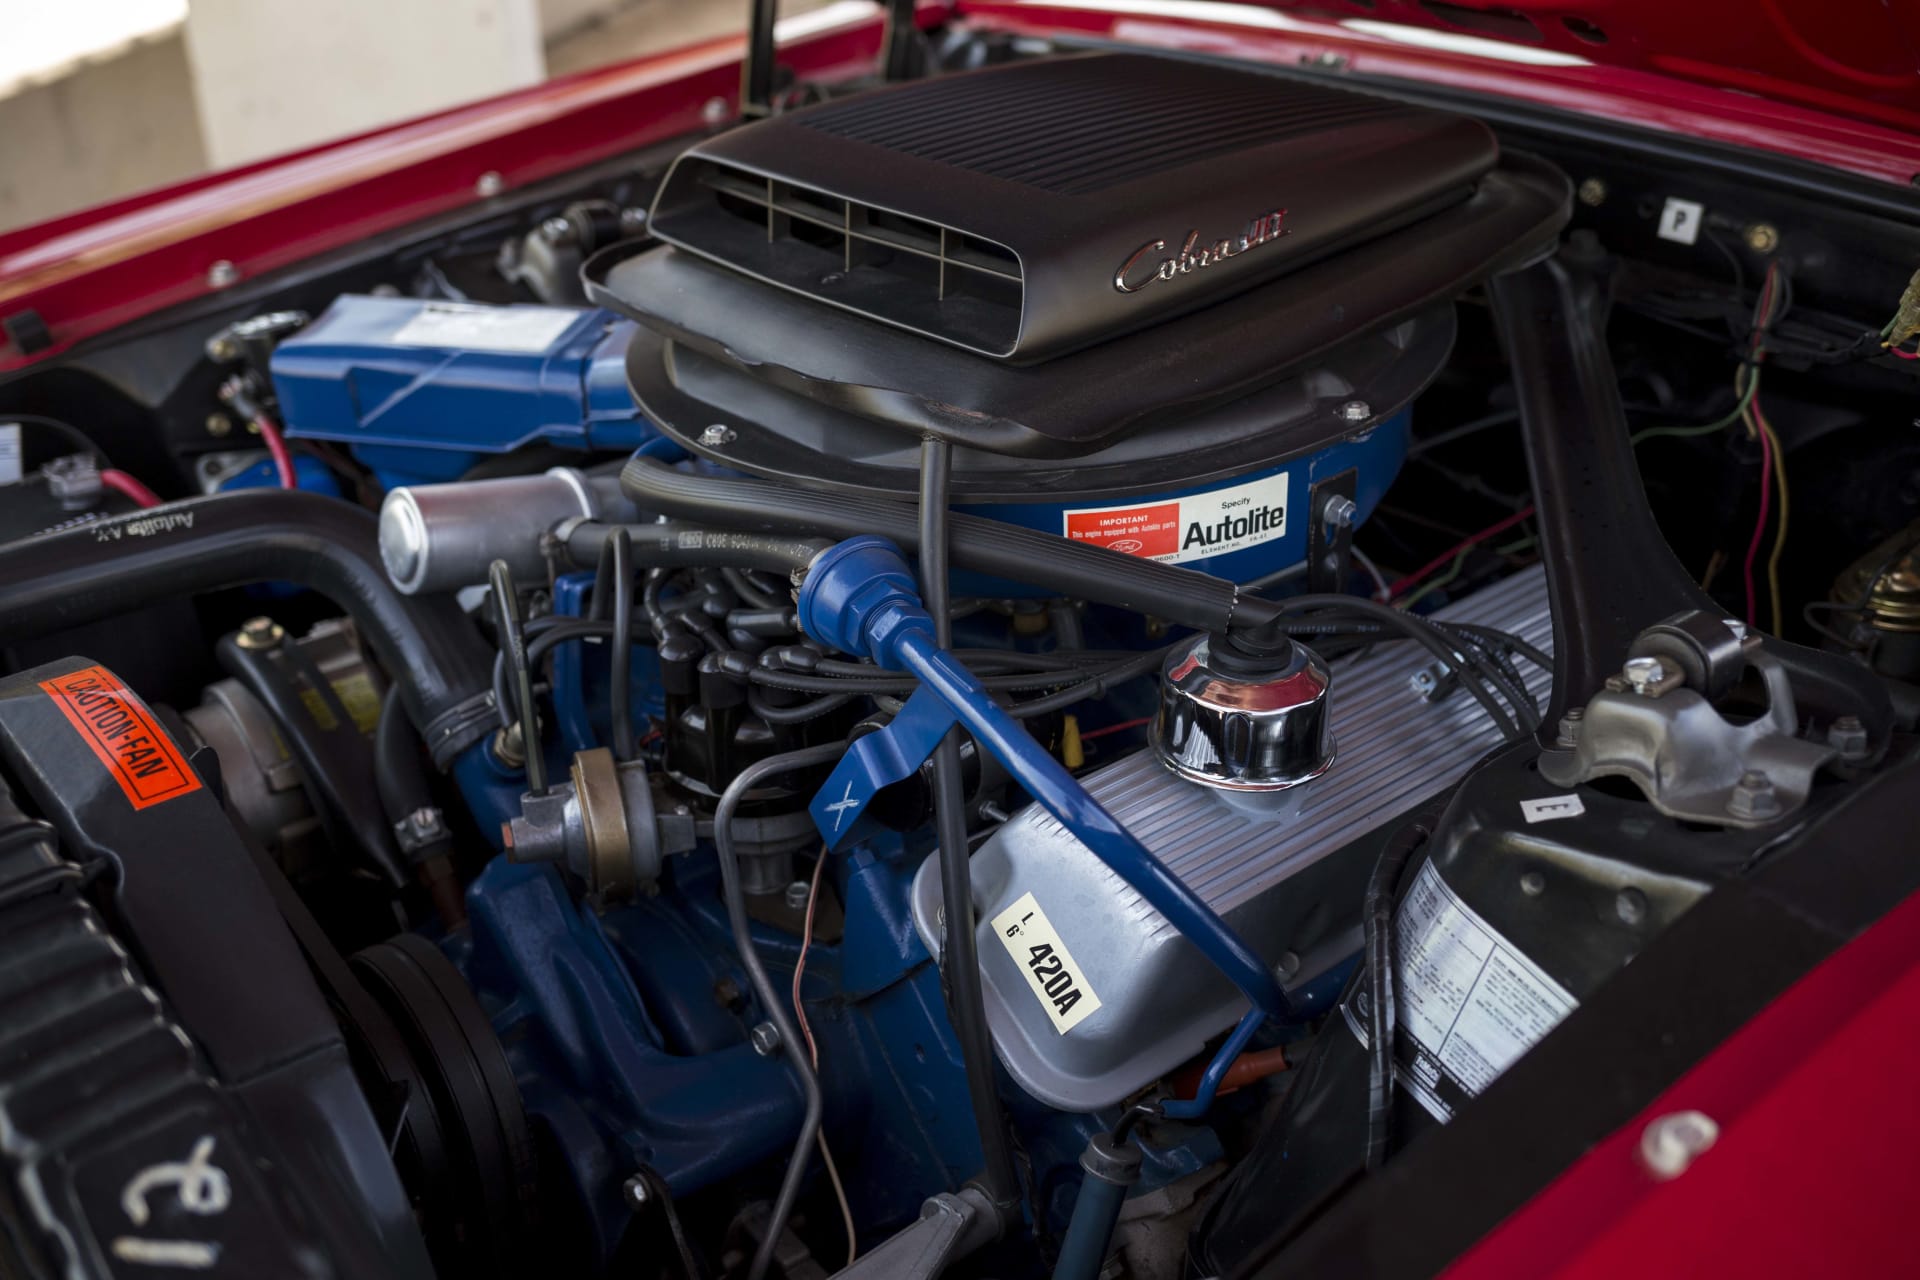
{"x": 1859, "y": 58}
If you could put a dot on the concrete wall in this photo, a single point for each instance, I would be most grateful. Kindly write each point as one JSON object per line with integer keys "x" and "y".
{"x": 247, "y": 79}
{"x": 272, "y": 76}
{"x": 105, "y": 130}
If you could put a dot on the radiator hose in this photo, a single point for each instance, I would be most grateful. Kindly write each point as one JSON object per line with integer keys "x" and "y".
{"x": 107, "y": 568}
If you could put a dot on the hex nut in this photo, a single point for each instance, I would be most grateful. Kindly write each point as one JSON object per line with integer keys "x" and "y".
{"x": 765, "y": 1039}
{"x": 1848, "y": 736}
{"x": 260, "y": 633}
{"x": 1753, "y": 797}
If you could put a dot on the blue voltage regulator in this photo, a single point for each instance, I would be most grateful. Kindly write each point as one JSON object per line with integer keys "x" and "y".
{"x": 422, "y": 390}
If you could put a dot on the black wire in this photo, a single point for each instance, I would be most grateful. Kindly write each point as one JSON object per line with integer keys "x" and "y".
{"x": 658, "y": 1192}
{"x": 1380, "y": 988}
{"x": 798, "y": 714}
{"x": 960, "y": 960}
{"x": 74, "y": 436}
{"x": 1097, "y": 686}
{"x": 1420, "y": 631}
{"x": 792, "y": 1048}
{"x": 750, "y": 591}
{"x": 619, "y": 683}
{"x": 513, "y": 641}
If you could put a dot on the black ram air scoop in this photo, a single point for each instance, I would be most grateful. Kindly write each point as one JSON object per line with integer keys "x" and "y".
{"x": 1055, "y": 263}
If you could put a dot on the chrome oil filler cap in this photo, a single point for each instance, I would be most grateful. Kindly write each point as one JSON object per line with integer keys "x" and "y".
{"x": 1244, "y": 717}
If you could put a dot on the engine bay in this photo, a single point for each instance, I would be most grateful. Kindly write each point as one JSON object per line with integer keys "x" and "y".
{"x": 1342, "y": 602}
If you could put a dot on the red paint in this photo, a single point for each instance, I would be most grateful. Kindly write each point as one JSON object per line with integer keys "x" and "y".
{"x": 1851, "y": 57}
{"x": 1645, "y": 92}
{"x": 1813, "y": 1173}
{"x": 93, "y": 271}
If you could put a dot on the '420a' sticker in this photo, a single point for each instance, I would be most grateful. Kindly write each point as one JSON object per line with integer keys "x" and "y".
{"x": 1036, "y": 948}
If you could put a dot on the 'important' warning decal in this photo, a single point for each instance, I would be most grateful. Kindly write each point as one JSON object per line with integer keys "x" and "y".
{"x": 1191, "y": 528}
{"x": 122, "y": 732}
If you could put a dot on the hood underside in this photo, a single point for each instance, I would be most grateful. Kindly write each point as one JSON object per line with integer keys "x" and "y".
{"x": 1857, "y": 58}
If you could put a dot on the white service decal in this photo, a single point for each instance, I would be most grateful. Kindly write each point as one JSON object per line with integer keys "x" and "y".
{"x": 1469, "y": 1002}
{"x": 10, "y": 451}
{"x": 1547, "y": 808}
{"x": 1037, "y": 949}
{"x": 1680, "y": 220}
{"x": 465, "y": 327}
{"x": 1190, "y": 528}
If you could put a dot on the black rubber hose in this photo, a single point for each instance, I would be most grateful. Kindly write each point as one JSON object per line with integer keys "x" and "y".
{"x": 1380, "y": 988}
{"x": 619, "y": 682}
{"x": 684, "y": 546}
{"x": 111, "y": 567}
{"x": 775, "y": 1009}
{"x": 1075, "y": 569}
{"x": 961, "y": 961}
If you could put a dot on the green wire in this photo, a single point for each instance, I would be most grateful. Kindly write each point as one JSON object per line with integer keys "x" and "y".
{"x": 1460, "y": 563}
{"x": 1682, "y": 433}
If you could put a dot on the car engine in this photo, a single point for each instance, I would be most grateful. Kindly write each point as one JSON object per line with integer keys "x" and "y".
{"x": 1032, "y": 671}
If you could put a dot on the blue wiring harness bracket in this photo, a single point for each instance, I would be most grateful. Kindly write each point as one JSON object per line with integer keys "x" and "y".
{"x": 860, "y": 597}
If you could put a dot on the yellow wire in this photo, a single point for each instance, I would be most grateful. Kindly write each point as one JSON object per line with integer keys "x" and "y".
{"x": 1780, "y": 533}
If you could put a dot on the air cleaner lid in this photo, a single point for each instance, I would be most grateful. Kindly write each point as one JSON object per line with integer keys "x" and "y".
{"x": 1027, "y": 210}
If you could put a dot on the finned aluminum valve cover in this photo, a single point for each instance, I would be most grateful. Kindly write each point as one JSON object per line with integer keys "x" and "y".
{"x": 1097, "y": 996}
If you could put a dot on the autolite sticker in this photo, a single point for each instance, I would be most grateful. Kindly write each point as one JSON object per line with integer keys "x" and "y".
{"x": 123, "y": 734}
{"x": 1189, "y": 528}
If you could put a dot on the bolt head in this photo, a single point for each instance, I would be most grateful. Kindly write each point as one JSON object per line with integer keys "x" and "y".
{"x": 489, "y": 184}
{"x": 717, "y": 435}
{"x": 1339, "y": 510}
{"x": 1642, "y": 674}
{"x": 1569, "y": 731}
{"x": 1762, "y": 237}
{"x": 260, "y": 633}
{"x": 1356, "y": 411}
{"x": 636, "y": 1192}
{"x": 219, "y": 425}
{"x": 222, "y": 274}
{"x": 1630, "y": 905}
{"x": 1533, "y": 884}
{"x": 557, "y": 230}
{"x": 797, "y": 894}
{"x": 714, "y": 112}
{"x": 1671, "y": 1143}
{"x": 765, "y": 1039}
{"x": 1593, "y": 192}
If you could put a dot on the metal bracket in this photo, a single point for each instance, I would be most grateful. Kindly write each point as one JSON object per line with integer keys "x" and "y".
{"x": 882, "y": 758}
{"x": 951, "y": 1226}
{"x": 1330, "y": 513}
{"x": 759, "y": 69}
{"x": 1689, "y": 761}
